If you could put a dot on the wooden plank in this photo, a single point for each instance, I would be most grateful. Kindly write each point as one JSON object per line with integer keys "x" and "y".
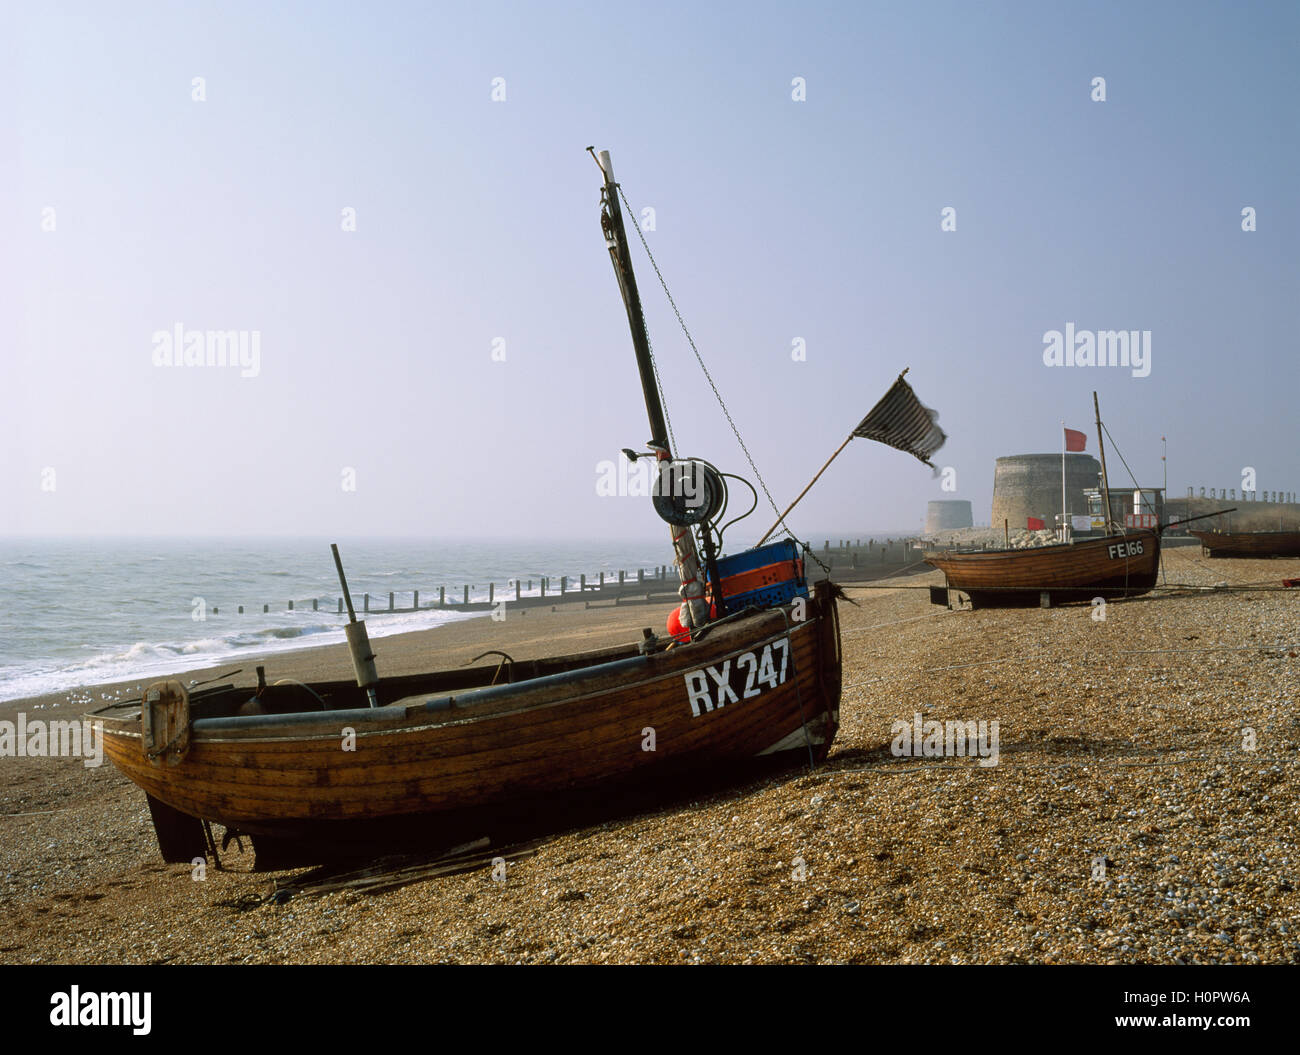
{"x": 393, "y": 873}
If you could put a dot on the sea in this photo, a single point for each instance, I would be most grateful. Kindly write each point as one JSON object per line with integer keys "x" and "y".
{"x": 77, "y": 611}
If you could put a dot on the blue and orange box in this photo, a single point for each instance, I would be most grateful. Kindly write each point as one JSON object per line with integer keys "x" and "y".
{"x": 765, "y": 577}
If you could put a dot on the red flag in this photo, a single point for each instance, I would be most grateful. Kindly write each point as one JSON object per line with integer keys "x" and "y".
{"x": 1034, "y": 524}
{"x": 1074, "y": 440}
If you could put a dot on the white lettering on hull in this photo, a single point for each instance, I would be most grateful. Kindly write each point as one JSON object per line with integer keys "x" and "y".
{"x": 711, "y": 687}
{"x": 1124, "y": 549}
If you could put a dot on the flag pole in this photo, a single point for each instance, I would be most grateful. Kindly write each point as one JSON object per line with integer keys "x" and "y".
{"x": 1064, "y": 512}
{"x": 781, "y": 519}
{"x": 898, "y": 420}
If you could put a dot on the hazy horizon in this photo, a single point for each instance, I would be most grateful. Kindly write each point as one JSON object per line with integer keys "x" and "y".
{"x": 441, "y": 346}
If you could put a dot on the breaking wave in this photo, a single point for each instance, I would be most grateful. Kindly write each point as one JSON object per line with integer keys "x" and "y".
{"x": 149, "y": 659}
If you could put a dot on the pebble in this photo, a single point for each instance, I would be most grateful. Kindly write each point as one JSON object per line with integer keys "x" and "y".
{"x": 1131, "y": 763}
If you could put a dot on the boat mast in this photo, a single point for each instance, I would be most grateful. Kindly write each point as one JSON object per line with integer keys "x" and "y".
{"x": 694, "y": 609}
{"x": 1101, "y": 447}
{"x": 620, "y": 253}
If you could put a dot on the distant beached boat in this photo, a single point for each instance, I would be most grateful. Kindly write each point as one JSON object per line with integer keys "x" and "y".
{"x": 1125, "y": 562}
{"x": 1112, "y": 566}
{"x": 1249, "y": 543}
{"x": 750, "y": 668}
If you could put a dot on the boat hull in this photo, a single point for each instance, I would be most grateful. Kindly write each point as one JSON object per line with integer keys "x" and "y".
{"x": 766, "y": 684}
{"x": 1249, "y": 543}
{"x": 1114, "y": 566}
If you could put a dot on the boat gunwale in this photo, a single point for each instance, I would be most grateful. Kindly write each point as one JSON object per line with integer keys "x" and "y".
{"x": 395, "y": 721}
{"x": 937, "y": 555}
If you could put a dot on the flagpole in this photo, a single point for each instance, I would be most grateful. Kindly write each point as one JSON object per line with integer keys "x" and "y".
{"x": 898, "y": 420}
{"x": 1064, "y": 512}
{"x": 781, "y": 519}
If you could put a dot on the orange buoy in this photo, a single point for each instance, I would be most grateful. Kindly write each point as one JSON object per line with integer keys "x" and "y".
{"x": 675, "y": 629}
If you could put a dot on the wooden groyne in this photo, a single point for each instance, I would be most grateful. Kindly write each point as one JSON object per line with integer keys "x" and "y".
{"x": 848, "y": 561}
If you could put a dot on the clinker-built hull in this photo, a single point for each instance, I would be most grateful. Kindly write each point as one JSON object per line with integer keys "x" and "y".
{"x": 1113, "y": 566}
{"x": 765, "y": 683}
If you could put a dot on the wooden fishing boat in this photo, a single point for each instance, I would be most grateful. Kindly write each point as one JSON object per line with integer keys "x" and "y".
{"x": 1249, "y": 543}
{"x": 749, "y": 669}
{"x": 320, "y": 764}
{"x": 1122, "y": 563}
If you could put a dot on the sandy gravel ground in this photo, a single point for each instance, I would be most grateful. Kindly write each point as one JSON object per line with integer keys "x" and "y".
{"x": 1145, "y": 807}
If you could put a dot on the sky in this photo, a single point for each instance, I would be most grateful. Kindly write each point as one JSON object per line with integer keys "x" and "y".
{"x": 394, "y": 204}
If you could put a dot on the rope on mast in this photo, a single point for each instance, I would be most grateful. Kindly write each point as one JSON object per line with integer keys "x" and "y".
{"x": 700, "y": 359}
{"x": 1115, "y": 447}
